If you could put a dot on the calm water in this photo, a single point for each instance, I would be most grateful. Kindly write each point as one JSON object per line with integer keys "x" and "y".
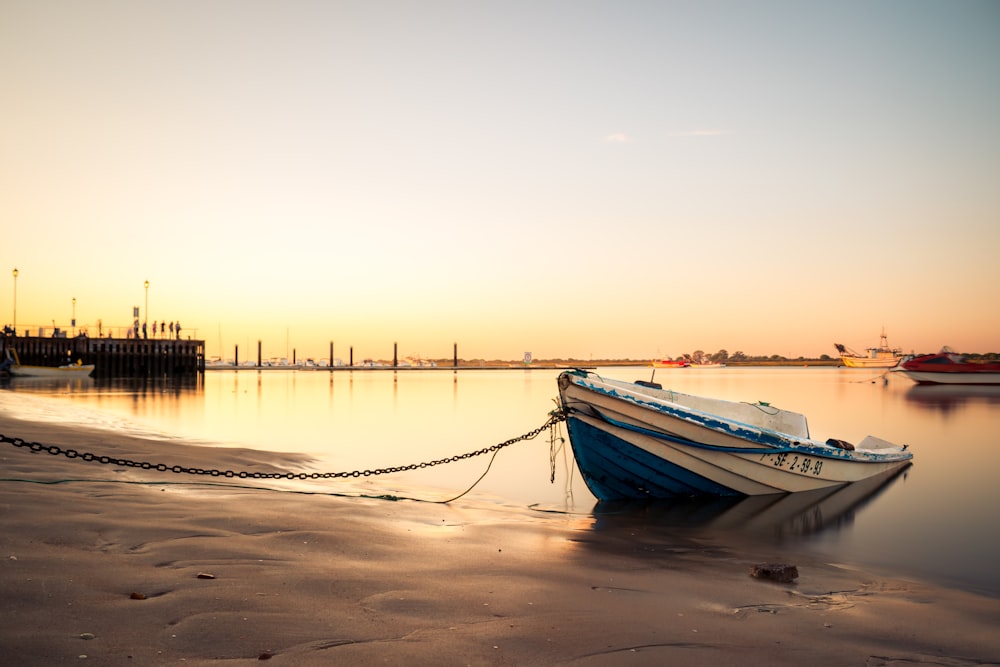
{"x": 939, "y": 520}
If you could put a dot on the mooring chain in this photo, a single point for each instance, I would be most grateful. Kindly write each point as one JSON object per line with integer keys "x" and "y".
{"x": 554, "y": 418}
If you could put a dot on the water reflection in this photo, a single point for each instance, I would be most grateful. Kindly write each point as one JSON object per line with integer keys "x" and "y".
{"x": 779, "y": 516}
{"x": 949, "y": 397}
{"x": 152, "y": 386}
{"x": 142, "y": 387}
{"x": 46, "y": 385}
{"x": 365, "y": 420}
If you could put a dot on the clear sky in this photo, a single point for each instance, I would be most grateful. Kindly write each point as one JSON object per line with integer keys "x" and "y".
{"x": 619, "y": 179}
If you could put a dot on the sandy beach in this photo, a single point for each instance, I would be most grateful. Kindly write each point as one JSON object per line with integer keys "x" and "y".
{"x": 110, "y": 565}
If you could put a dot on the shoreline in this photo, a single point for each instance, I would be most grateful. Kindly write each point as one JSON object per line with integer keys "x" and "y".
{"x": 509, "y": 366}
{"x": 129, "y": 566}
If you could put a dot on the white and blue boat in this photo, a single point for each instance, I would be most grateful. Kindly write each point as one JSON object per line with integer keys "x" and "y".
{"x": 636, "y": 440}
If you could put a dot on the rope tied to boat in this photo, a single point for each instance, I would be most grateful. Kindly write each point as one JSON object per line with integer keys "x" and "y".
{"x": 557, "y": 441}
{"x": 555, "y": 417}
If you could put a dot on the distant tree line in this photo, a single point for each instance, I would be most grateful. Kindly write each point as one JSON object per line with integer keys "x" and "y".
{"x": 739, "y": 357}
{"x": 697, "y": 357}
{"x": 722, "y": 356}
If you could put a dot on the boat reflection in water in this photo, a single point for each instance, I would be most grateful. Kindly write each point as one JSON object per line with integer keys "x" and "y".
{"x": 781, "y": 516}
{"x": 946, "y": 397}
{"x": 43, "y": 384}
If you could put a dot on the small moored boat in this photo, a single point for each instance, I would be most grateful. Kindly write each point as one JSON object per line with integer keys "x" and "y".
{"x": 882, "y": 356}
{"x": 671, "y": 363}
{"x": 635, "y": 440}
{"x": 947, "y": 367}
{"x": 12, "y": 364}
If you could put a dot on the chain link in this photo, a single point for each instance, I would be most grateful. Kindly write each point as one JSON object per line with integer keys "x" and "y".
{"x": 555, "y": 417}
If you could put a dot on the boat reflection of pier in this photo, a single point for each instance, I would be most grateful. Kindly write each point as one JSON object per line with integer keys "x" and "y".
{"x": 781, "y": 516}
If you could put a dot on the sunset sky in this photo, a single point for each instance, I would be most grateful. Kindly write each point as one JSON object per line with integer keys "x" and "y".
{"x": 571, "y": 178}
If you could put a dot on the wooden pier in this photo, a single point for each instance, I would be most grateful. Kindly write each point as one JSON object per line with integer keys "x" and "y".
{"x": 113, "y": 357}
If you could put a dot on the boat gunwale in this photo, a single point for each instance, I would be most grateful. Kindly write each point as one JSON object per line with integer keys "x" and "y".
{"x": 772, "y": 441}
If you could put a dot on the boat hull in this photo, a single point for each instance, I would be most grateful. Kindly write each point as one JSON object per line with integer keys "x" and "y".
{"x": 867, "y": 362}
{"x": 976, "y": 378}
{"x": 78, "y": 371}
{"x": 630, "y": 445}
{"x": 946, "y": 367}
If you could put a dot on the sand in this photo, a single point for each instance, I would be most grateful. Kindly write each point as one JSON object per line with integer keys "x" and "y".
{"x": 110, "y": 565}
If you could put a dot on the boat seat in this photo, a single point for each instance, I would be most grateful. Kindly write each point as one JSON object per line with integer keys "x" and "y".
{"x": 840, "y": 444}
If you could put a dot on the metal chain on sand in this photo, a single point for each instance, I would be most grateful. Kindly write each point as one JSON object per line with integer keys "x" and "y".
{"x": 554, "y": 418}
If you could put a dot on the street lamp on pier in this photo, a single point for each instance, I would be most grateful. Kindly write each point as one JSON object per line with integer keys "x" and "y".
{"x": 15, "y": 301}
{"x": 72, "y": 322}
{"x": 145, "y": 313}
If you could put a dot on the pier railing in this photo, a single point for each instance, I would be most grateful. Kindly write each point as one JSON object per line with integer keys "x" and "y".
{"x": 103, "y": 331}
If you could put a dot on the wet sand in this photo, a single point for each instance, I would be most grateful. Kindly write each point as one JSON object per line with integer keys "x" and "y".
{"x": 109, "y": 565}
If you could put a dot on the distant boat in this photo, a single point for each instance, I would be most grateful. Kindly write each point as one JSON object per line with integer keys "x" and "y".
{"x": 634, "y": 440}
{"x": 707, "y": 365}
{"x": 12, "y": 364}
{"x": 671, "y": 363}
{"x": 882, "y": 356}
{"x": 947, "y": 367}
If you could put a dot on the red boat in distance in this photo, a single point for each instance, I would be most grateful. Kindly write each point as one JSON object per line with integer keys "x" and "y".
{"x": 947, "y": 367}
{"x": 671, "y": 363}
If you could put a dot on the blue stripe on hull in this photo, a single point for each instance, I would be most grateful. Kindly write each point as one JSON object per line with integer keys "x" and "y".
{"x": 617, "y": 470}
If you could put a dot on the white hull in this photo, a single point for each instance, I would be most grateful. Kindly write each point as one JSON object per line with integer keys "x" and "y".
{"x": 980, "y": 378}
{"x": 755, "y": 473}
{"x": 631, "y": 440}
{"x": 867, "y": 362}
{"x": 78, "y": 371}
